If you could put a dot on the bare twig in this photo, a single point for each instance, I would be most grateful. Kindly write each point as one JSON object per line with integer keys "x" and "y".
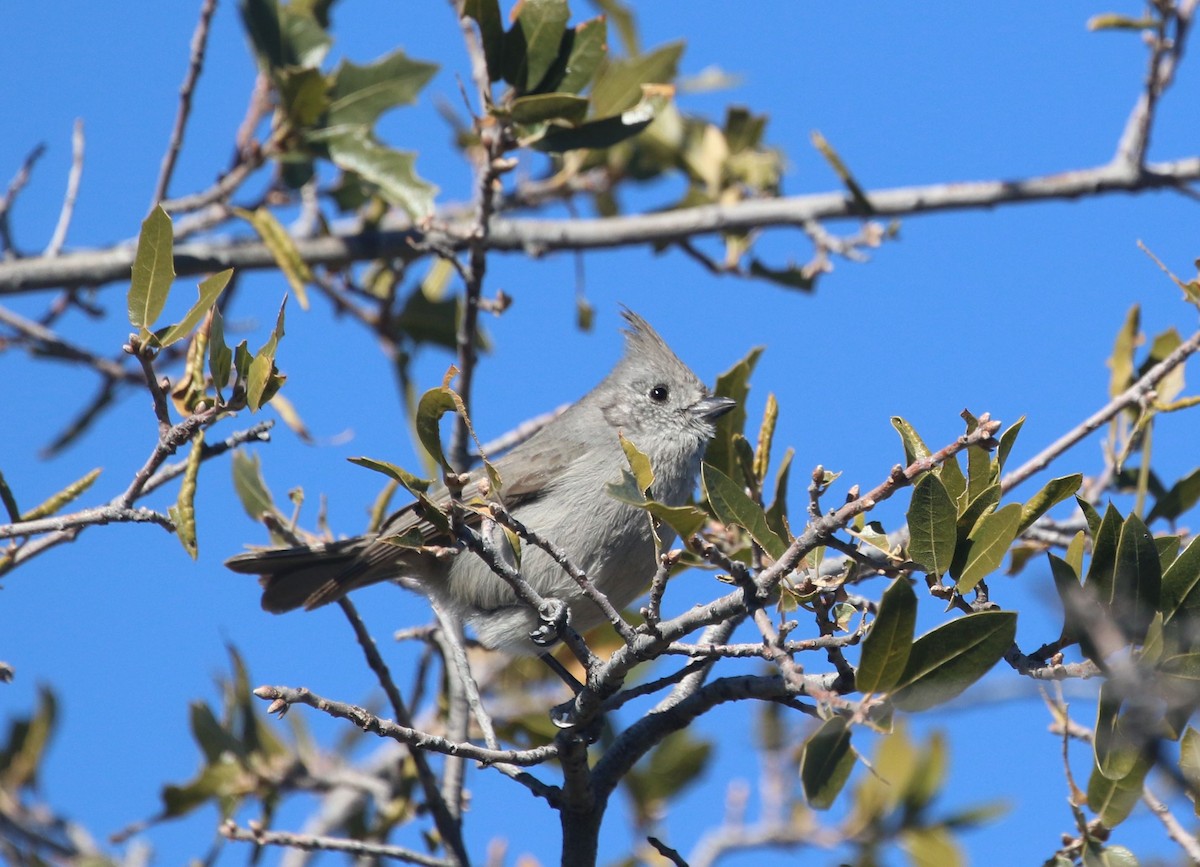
{"x": 20, "y": 179}
{"x": 68, "y": 206}
{"x": 1135, "y": 395}
{"x": 310, "y": 842}
{"x": 195, "y": 66}
{"x": 448, "y": 823}
{"x": 281, "y": 697}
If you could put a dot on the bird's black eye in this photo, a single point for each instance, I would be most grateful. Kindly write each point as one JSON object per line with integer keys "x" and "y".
{"x": 659, "y": 393}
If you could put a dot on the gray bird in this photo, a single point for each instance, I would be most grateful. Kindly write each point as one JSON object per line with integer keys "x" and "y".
{"x": 555, "y": 484}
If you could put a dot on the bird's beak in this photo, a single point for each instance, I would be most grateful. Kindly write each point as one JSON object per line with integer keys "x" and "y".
{"x": 711, "y": 408}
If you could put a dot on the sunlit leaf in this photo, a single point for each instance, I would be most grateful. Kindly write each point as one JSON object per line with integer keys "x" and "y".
{"x": 914, "y": 447}
{"x": 153, "y": 269}
{"x": 1051, "y": 494}
{"x": 262, "y": 378}
{"x": 733, "y": 505}
{"x": 283, "y": 250}
{"x": 56, "y": 501}
{"x": 390, "y": 170}
{"x": 987, "y": 544}
{"x": 931, "y": 525}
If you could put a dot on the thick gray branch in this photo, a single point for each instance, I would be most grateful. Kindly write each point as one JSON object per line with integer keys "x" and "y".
{"x": 97, "y": 267}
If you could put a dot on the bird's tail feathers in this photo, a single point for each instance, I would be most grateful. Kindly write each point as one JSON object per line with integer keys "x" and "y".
{"x": 308, "y": 577}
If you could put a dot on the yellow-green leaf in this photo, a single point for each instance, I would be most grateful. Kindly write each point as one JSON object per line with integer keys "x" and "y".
{"x": 183, "y": 513}
{"x": 56, "y": 501}
{"x": 1051, "y": 494}
{"x": 914, "y": 446}
{"x": 987, "y": 545}
{"x": 643, "y": 473}
{"x": 153, "y": 269}
{"x": 283, "y": 250}
{"x": 262, "y": 377}
{"x": 210, "y": 289}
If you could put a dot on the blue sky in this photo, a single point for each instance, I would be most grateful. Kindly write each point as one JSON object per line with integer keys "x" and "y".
{"x": 1011, "y": 311}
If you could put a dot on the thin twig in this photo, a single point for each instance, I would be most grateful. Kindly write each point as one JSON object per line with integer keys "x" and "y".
{"x": 313, "y": 843}
{"x": 448, "y": 822}
{"x": 68, "y": 206}
{"x": 18, "y": 182}
{"x": 1135, "y": 395}
{"x": 195, "y": 66}
{"x": 281, "y": 697}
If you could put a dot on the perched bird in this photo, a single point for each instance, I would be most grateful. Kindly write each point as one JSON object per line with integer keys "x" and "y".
{"x": 555, "y": 484}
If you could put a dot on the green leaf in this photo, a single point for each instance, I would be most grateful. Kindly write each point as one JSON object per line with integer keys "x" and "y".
{"x": 982, "y": 471}
{"x": 732, "y": 505}
{"x": 9, "y": 501}
{"x": 548, "y": 106}
{"x": 210, "y": 289}
{"x": 283, "y": 37}
{"x": 734, "y": 384}
{"x": 777, "y": 511}
{"x": 250, "y": 487}
{"x": 21, "y": 757}
{"x": 283, "y": 250}
{"x": 953, "y": 656}
{"x": 931, "y": 525}
{"x": 262, "y": 379}
{"x": 1121, "y": 361}
{"x": 588, "y": 48}
{"x": 1051, "y": 494}
{"x": 1115, "y": 752}
{"x": 1180, "y": 595}
{"x": 1137, "y": 584}
{"x": 1182, "y": 496}
{"x": 486, "y": 14}
{"x": 790, "y": 277}
{"x": 531, "y": 46}
{"x": 977, "y": 507}
{"x": 931, "y": 846}
{"x": 1070, "y": 591}
{"x": 1099, "y": 578}
{"x": 618, "y": 87}
{"x": 1189, "y": 757}
{"x": 183, "y": 513}
{"x": 608, "y": 131}
{"x": 434, "y": 404}
{"x": 887, "y": 646}
{"x": 153, "y": 269}
{"x": 1007, "y": 440}
{"x": 213, "y": 738}
{"x": 951, "y": 474}
{"x": 56, "y": 501}
{"x": 411, "y": 482}
{"x": 914, "y": 447}
{"x": 304, "y": 98}
{"x": 987, "y": 544}
{"x": 220, "y": 356}
{"x": 360, "y": 94}
{"x": 1090, "y": 515}
{"x": 826, "y": 763}
{"x": 1114, "y": 800}
{"x": 390, "y": 170}
{"x": 639, "y": 464}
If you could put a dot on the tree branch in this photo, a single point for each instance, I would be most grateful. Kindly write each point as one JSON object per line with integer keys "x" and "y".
{"x": 399, "y": 239}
